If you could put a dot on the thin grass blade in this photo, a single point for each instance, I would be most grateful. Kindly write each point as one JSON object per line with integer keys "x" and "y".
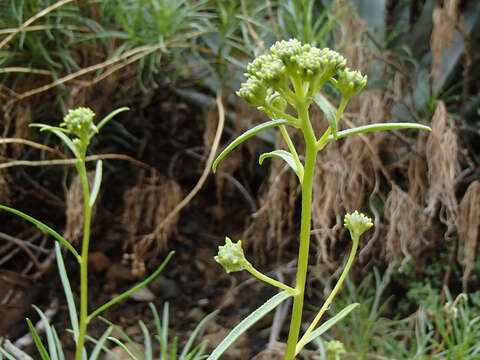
{"x": 195, "y": 333}
{"x": 100, "y": 344}
{"x": 38, "y": 343}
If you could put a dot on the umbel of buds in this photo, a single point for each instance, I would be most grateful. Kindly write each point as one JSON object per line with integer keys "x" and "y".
{"x": 291, "y": 63}
{"x": 79, "y": 122}
{"x": 357, "y": 223}
{"x": 231, "y": 256}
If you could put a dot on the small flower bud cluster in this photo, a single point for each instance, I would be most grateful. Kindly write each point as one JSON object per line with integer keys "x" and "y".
{"x": 292, "y": 60}
{"x": 350, "y": 82}
{"x": 357, "y": 223}
{"x": 79, "y": 122}
{"x": 231, "y": 256}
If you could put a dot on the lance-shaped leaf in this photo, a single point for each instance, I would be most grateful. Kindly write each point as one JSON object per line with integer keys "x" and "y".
{"x": 60, "y": 132}
{"x": 96, "y": 184}
{"x": 329, "y": 112}
{"x": 43, "y": 227}
{"x": 282, "y": 154}
{"x": 110, "y": 116}
{"x": 246, "y": 135}
{"x": 378, "y": 127}
{"x": 246, "y": 323}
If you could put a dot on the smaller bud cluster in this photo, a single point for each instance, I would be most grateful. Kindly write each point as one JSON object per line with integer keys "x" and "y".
{"x": 350, "y": 82}
{"x": 357, "y": 223}
{"x": 231, "y": 256}
{"x": 79, "y": 122}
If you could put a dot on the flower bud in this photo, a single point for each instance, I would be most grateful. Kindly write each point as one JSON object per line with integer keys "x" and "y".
{"x": 253, "y": 91}
{"x": 350, "y": 83}
{"x": 231, "y": 256}
{"x": 287, "y": 51}
{"x": 79, "y": 122}
{"x": 357, "y": 223}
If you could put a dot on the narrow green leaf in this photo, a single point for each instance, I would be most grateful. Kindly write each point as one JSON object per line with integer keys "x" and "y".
{"x": 165, "y": 319}
{"x": 61, "y": 134}
{"x": 72, "y": 310}
{"x": 6, "y": 354}
{"x": 246, "y": 135}
{"x": 43, "y": 227}
{"x": 119, "y": 343}
{"x": 100, "y": 344}
{"x": 133, "y": 289}
{"x": 195, "y": 333}
{"x": 58, "y": 344}
{"x": 110, "y": 116}
{"x": 173, "y": 351}
{"x": 282, "y": 154}
{"x": 38, "y": 343}
{"x": 330, "y": 322}
{"x": 246, "y": 323}
{"x": 329, "y": 112}
{"x": 52, "y": 349}
{"x": 96, "y": 184}
{"x": 147, "y": 341}
{"x": 378, "y": 127}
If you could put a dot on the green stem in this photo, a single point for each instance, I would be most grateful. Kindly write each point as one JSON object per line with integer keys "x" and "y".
{"x": 330, "y": 298}
{"x": 83, "y": 321}
{"x": 310, "y": 162}
{"x": 293, "y": 151}
{"x": 269, "y": 280}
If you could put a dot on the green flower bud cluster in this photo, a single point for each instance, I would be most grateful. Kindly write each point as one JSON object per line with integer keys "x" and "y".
{"x": 350, "y": 82}
{"x": 79, "y": 122}
{"x": 335, "y": 349}
{"x": 290, "y": 60}
{"x": 231, "y": 256}
{"x": 357, "y": 223}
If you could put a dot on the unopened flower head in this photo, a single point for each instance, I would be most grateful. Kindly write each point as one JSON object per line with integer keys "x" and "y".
{"x": 287, "y": 50}
{"x": 357, "y": 223}
{"x": 350, "y": 82}
{"x": 231, "y": 256}
{"x": 253, "y": 91}
{"x": 79, "y": 122}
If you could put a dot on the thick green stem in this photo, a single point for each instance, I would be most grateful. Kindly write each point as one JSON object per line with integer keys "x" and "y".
{"x": 310, "y": 162}
{"x": 330, "y": 298}
{"x": 83, "y": 321}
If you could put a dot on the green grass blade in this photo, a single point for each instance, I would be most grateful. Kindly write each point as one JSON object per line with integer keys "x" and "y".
{"x": 330, "y": 322}
{"x": 119, "y": 343}
{"x": 281, "y": 154}
{"x": 133, "y": 289}
{"x": 329, "y": 112}
{"x": 246, "y": 323}
{"x": 96, "y": 184}
{"x": 43, "y": 227}
{"x": 110, "y": 116}
{"x": 6, "y": 354}
{"x": 195, "y": 333}
{"x": 147, "y": 342}
{"x": 52, "y": 349}
{"x": 164, "y": 334}
{"x": 246, "y": 135}
{"x": 58, "y": 345}
{"x": 378, "y": 127}
{"x": 72, "y": 310}
{"x": 100, "y": 344}
{"x": 38, "y": 343}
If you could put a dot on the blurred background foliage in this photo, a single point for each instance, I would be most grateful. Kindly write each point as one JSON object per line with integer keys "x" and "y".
{"x": 167, "y": 60}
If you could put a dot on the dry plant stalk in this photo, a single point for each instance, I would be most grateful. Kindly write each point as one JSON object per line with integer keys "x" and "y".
{"x": 468, "y": 226}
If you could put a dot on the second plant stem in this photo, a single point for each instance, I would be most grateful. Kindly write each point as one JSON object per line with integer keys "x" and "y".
{"x": 305, "y": 227}
{"x": 83, "y": 321}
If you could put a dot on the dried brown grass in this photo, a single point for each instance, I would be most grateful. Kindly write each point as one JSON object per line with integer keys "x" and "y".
{"x": 468, "y": 226}
{"x": 146, "y": 205}
{"x": 446, "y": 19}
